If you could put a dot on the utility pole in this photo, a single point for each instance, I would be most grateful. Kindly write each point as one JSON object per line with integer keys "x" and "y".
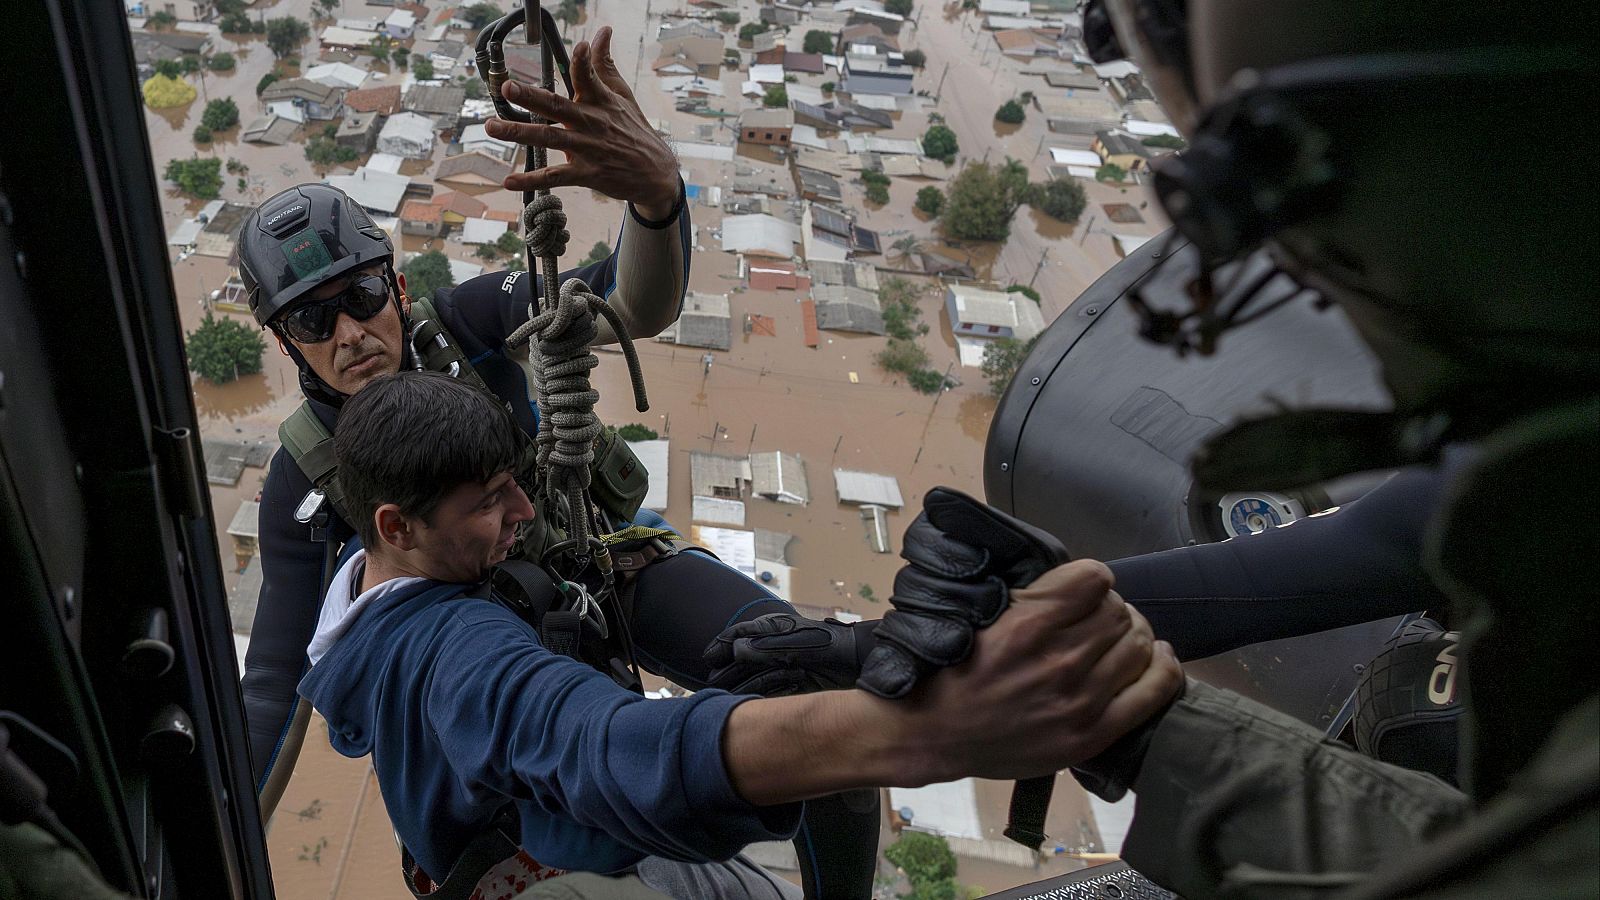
{"x": 943, "y": 381}
{"x": 1086, "y": 229}
{"x": 938, "y": 92}
{"x": 752, "y": 445}
{"x": 1042, "y": 257}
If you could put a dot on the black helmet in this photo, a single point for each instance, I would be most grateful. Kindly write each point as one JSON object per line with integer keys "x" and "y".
{"x": 1366, "y": 146}
{"x": 299, "y": 239}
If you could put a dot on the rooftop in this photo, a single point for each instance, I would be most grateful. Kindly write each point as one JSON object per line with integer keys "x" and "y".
{"x": 867, "y": 487}
{"x": 420, "y": 211}
{"x": 779, "y": 476}
{"x": 382, "y": 100}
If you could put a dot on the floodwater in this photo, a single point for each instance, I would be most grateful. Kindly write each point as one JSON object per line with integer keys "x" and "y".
{"x": 831, "y": 404}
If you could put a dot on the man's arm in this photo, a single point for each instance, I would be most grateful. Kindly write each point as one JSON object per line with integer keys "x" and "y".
{"x": 1065, "y": 670}
{"x": 612, "y": 148}
{"x": 286, "y": 614}
{"x": 1231, "y": 792}
{"x": 1361, "y": 563}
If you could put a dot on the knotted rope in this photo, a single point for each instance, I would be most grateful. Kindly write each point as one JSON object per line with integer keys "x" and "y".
{"x": 563, "y": 326}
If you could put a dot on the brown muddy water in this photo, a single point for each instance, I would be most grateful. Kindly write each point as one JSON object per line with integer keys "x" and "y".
{"x": 331, "y": 838}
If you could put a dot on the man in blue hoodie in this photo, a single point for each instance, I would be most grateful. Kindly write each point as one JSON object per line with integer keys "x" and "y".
{"x": 473, "y": 725}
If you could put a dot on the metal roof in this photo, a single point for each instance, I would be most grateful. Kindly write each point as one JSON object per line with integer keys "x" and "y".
{"x": 867, "y": 487}
{"x": 859, "y": 275}
{"x": 759, "y": 233}
{"x": 373, "y": 190}
{"x": 247, "y": 521}
{"x": 654, "y": 456}
{"x": 717, "y": 511}
{"x": 779, "y": 476}
{"x": 977, "y": 306}
{"x": 709, "y": 471}
{"x": 840, "y": 316}
{"x": 773, "y": 545}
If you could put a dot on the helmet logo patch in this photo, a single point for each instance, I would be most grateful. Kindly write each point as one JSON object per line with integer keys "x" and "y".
{"x": 307, "y": 255}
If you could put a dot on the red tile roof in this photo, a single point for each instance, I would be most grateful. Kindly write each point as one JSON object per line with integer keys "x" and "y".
{"x": 382, "y": 100}
{"x": 417, "y": 211}
{"x": 461, "y": 204}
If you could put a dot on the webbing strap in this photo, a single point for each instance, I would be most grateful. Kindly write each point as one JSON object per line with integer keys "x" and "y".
{"x": 310, "y": 445}
{"x": 489, "y": 848}
{"x": 1030, "y": 800}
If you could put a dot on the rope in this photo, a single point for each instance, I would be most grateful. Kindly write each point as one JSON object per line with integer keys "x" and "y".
{"x": 562, "y": 331}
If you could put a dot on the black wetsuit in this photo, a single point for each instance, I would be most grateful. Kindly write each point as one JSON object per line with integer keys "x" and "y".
{"x": 681, "y": 603}
{"x": 1359, "y": 564}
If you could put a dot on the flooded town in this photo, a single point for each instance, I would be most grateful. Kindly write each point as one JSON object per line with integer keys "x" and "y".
{"x": 842, "y": 345}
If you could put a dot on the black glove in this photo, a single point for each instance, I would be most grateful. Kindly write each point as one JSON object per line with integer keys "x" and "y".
{"x": 964, "y": 557}
{"x": 783, "y": 653}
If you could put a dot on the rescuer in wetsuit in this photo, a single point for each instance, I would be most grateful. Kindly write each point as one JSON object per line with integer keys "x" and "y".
{"x": 1306, "y": 124}
{"x": 344, "y": 322}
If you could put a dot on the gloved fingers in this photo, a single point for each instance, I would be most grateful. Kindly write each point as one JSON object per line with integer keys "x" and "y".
{"x": 978, "y": 603}
{"x": 1016, "y": 548}
{"x": 936, "y": 640}
{"x": 935, "y": 551}
{"x": 720, "y": 651}
{"x": 889, "y": 672}
{"x": 768, "y": 683}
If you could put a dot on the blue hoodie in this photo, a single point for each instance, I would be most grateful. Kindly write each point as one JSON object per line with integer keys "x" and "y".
{"x": 463, "y": 711}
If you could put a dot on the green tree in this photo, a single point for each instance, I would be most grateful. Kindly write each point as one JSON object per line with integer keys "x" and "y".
{"x": 200, "y": 178}
{"x": 169, "y": 68}
{"x": 878, "y": 193}
{"x": 930, "y": 200}
{"x": 902, "y": 356}
{"x": 511, "y": 243}
{"x": 939, "y": 142}
{"x": 1059, "y": 198}
{"x": 325, "y": 152}
{"x": 422, "y": 68}
{"x": 818, "y": 42}
{"x": 916, "y": 59}
{"x": 221, "y": 350}
{"x": 402, "y": 55}
{"x": 866, "y": 593}
{"x": 379, "y": 49}
{"x": 981, "y": 200}
{"x": 728, "y": 17}
{"x": 1024, "y": 290}
{"x": 426, "y": 273}
{"x": 905, "y": 246}
{"x": 636, "y": 432}
{"x": 220, "y": 115}
{"x": 220, "y": 62}
{"x": 1010, "y": 112}
{"x": 265, "y": 82}
{"x": 475, "y": 89}
{"x": 1165, "y": 141}
{"x": 285, "y": 35}
{"x": 926, "y": 381}
{"x": 827, "y": 87}
{"x": 236, "y": 167}
{"x": 749, "y": 30}
{"x": 1001, "y": 358}
{"x": 241, "y": 185}
{"x": 1110, "y": 172}
{"x": 189, "y": 63}
{"x": 775, "y": 96}
{"x": 925, "y": 858}
{"x": 897, "y": 298}
{"x": 202, "y": 134}
{"x": 567, "y": 14}
{"x": 481, "y": 14}
{"x": 235, "y": 23}
{"x": 161, "y": 20}
{"x": 898, "y": 7}
{"x": 327, "y": 7}
{"x": 600, "y": 252}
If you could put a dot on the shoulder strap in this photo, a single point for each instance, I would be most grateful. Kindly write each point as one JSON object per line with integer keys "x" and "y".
{"x": 437, "y": 347}
{"x": 527, "y": 590}
{"x": 310, "y": 445}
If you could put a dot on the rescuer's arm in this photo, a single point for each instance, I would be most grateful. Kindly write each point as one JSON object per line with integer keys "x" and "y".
{"x": 609, "y": 146}
{"x": 1231, "y": 792}
{"x": 286, "y": 613}
{"x": 1064, "y": 671}
{"x": 1361, "y": 563}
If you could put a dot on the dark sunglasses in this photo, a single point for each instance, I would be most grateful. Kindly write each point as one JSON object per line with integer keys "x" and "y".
{"x": 314, "y": 322}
